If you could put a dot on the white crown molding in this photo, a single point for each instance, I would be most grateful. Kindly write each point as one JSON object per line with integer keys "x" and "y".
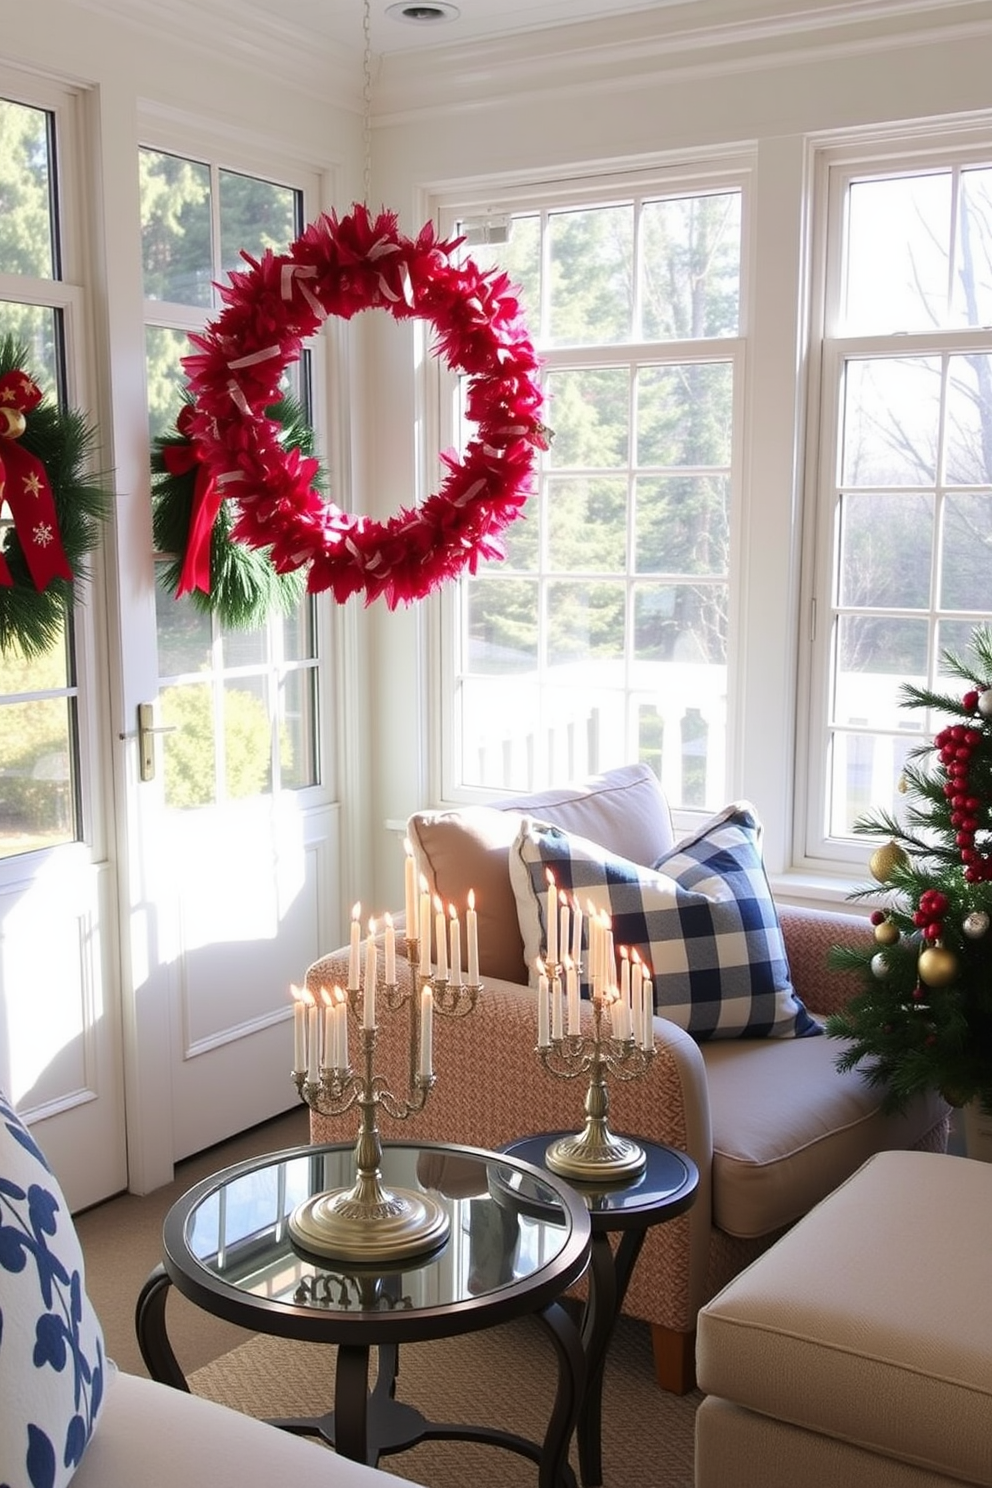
{"x": 664, "y": 42}
{"x": 270, "y": 45}
{"x": 663, "y": 45}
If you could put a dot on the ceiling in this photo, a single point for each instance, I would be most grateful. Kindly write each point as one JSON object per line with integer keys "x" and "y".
{"x": 340, "y": 23}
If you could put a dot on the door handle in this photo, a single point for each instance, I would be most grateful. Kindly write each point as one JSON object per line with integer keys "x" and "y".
{"x": 146, "y": 739}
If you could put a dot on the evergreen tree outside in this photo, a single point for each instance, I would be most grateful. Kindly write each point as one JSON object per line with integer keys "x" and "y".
{"x": 923, "y": 1021}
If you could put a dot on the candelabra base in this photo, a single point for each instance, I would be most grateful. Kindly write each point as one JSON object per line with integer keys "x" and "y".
{"x": 595, "y": 1156}
{"x": 391, "y": 1225}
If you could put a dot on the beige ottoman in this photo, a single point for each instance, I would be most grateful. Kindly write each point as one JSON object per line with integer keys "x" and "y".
{"x": 858, "y": 1349}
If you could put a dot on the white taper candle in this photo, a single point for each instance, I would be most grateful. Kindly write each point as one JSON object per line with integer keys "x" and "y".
{"x": 543, "y": 1030}
{"x": 354, "y": 953}
{"x": 472, "y": 932}
{"x": 426, "y": 1032}
{"x": 371, "y": 975}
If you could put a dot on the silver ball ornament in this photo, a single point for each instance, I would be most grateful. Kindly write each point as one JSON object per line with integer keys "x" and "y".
{"x": 985, "y": 703}
{"x": 879, "y": 966}
{"x": 976, "y": 924}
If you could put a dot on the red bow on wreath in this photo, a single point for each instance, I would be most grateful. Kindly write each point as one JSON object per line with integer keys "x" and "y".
{"x": 179, "y": 459}
{"x": 25, "y": 488}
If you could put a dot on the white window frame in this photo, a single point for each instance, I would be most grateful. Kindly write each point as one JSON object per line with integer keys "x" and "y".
{"x": 70, "y": 296}
{"x": 730, "y": 169}
{"x": 837, "y": 162}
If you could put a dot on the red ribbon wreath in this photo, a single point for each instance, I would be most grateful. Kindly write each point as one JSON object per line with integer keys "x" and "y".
{"x": 24, "y": 487}
{"x": 340, "y": 267}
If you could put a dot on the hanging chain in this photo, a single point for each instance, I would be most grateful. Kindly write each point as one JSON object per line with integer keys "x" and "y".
{"x": 367, "y": 102}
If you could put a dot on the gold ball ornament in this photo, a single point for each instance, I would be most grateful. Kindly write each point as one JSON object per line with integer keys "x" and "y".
{"x": 886, "y": 933}
{"x": 884, "y": 860}
{"x": 938, "y": 967}
{"x": 12, "y": 423}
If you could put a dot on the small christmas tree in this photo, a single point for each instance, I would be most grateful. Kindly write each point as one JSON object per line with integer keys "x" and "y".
{"x": 924, "y": 1018}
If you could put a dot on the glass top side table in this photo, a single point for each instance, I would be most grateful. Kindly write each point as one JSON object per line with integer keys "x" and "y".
{"x": 227, "y": 1248}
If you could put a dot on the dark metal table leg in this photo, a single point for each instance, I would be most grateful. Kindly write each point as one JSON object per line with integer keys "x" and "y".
{"x": 554, "y": 1468}
{"x": 609, "y": 1275}
{"x": 153, "y": 1340}
{"x": 351, "y": 1405}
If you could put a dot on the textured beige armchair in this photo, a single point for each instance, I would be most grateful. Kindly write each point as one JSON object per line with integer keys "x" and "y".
{"x": 771, "y": 1124}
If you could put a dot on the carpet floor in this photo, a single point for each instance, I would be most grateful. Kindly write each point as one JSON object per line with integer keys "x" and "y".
{"x": 503, "y": 1376}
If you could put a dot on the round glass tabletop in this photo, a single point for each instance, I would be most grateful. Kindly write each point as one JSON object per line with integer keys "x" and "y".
{"x": 511, "y": 1247}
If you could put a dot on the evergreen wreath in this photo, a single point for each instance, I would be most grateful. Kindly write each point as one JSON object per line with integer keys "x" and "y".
{"x": 340, "y": 267}
{"x": 924, "y": 1018}
{"x": 46, "y": 449}
{"x": 225, "y": 577}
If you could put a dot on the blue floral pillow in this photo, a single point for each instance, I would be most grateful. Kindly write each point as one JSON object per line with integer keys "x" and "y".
{"x": 702, "y": 918}
{"x": 52, "y": 1367}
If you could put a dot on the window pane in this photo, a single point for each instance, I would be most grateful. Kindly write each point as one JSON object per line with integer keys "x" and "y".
{"x": 189, "y": 750}
{"x": 184, "y": 637}
{"x": 164, "y": 377}
{"x": 39, "y": 330}
{"x": 175, "y": 229}
{"x": 682, "y": 524}
{"x": 865, "y": 771}
{"x": 520, "y": 259}
{"x": 37, "y": 791}
{"x": 247, "y": 739}
{"x": 973, "y": 279}
{"x": 953, "y": 636}
{"x": 297, "y": 632}
{"x": 521, "y": 540}
{"x": 876, "y": 654}
{"x": 297, "y": 730}
{"x": 898, "y": 250}
{"x": 886, "y": 546}
{"x": 27, "y": 240}
{"x": 684, "y": 414}
{"x": 254, "y": 215}
{"x": 499, "y": 733}
{"x": 585, "y": 620}
{"x": 680, "y": 622}
{"x": 589, "y": 410}
{"x": 591, "y": 267}
{"x": 690, "y": 267}
{"x": 891, "y": 418}
{"x": 587, "y": 524}
{"x": 968, "y": 452}
{"x": 966, "y": 553}
{"x": 244, "y": 647}
{"x": 502, "y": 625}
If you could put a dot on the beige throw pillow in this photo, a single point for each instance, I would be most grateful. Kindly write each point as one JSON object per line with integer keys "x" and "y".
{"x": 624, "y": 810}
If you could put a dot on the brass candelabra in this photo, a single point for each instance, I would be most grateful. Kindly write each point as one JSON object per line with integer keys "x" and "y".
{"x": 366, "y": 1221}
{"x": 621, "y": 1045}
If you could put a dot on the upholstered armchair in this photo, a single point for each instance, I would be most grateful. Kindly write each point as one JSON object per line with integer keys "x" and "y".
{"x": 771, "y": 1124}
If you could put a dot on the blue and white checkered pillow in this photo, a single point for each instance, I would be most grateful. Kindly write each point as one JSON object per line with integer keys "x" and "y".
{"x": 702, "y": 918}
